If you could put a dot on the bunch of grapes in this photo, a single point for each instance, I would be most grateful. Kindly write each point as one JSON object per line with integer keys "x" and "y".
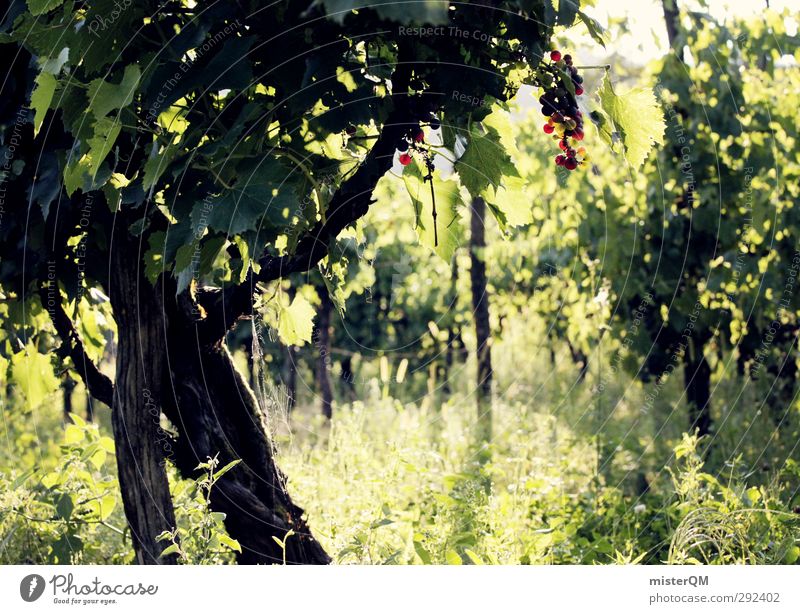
{"x": 415, "y": 137}
{"x": 560, "y": 106}
{"x": 414, "y": 141}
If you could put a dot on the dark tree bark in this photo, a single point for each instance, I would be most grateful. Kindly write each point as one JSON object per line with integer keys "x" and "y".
{"x": 348, "y": 378}
{"x": 136, "y": 404}
{"x": 323, "y": 350}
{"x": 448, "y": 364}
{"x": 213, "y": 408}
{"x": 217, "y": 413}
{"x": 673, "y": 22}
{"x": 67, "y": 386}
{"x": 580, "y": 359}
{"x": 697, "y": 383}
{"x": 480, "y": 306}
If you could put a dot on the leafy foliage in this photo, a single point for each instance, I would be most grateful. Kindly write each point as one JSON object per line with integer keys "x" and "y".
{"x": 65, "y": 510}
{"x": 633, "y": 119}
{"x": 202, "y": 540}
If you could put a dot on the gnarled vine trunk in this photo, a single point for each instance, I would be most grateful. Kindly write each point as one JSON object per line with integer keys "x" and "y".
{"x": 217, "y": 413}
{"x": 161, "y": 366}
{"x": 136, "y": 411}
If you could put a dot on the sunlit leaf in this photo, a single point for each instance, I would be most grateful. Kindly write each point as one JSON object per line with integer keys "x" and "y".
{"x": 636, "y": 118}
{"x": 296, "y": 321}
{"x": 33, "y": 374}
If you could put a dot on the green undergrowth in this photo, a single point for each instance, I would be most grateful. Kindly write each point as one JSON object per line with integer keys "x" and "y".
{"x": 393, "y": 484}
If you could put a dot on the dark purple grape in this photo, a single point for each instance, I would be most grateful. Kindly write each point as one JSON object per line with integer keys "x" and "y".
{"x": 548, "y": 108}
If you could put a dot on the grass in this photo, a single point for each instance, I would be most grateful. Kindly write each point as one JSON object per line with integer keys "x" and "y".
{"x": 388, "y": 483}
{"x": 575, "y": 473}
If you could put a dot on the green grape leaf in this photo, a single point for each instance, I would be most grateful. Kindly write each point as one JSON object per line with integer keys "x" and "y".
{"x": 106, "y": 131}
{"x": 485, "y": 161}
{"x": 596, "y": 31}
{"x": 636, "y": 119}
{"x": 41, "y": 97}
{"x": 154, "y": 264}
{"x": 262, "y": 200}
{"x": 107, "y": 504}
{"x": 296, "y": 321}
{"x": 245, "y": 261}
{"x": 229, "y": 542}
{"x": 105, "y": 97}
{"x": 40, "y": 7}
{"x": 509, "y": 203}
{"x": 54, "y": 65}
{"x": 94, "y": 340}
{"x": 603, "y": 125}
{"x": 567, "y": 10}
{"x": 33, "y": 374}
{"x": 67, "y": 546}
{"x": 447, "y": 196}
{"x": 158, "y": 162}
{"x": 487, "y": 169}
{"x": 422, "y": 553}
{"x": 211, "y": 249}
{"x": 64, "y": 506}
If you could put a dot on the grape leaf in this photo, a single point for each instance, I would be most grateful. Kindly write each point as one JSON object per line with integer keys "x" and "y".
{"x": 511, "y": 202}
{"x": 485, "y": 160}
{"x": 65, "y": 506}
{"x": 154, "y": 263}
{"x": 265, "y": 198}
{"x": 296, "y": 321}
{"x": 105, "y": 97}
{"x": 596, "y": 31}
{"x": 447, "y": 197}
{"x": 487, "y": 169}
{"x": 40, "y": 7}
{"x": 106, "y": 131}
{"x": 54, "y": 65}
{"x": 635, "y": 117}
{"x": 41, "y": 97}
{"x": 33, "y": 373}
{"x": 567, "y": 10}
{"x": 158, "y": 162}
{"x": 229, "y": 542}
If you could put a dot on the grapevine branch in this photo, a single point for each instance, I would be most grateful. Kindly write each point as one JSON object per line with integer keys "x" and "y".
{"x": 98, "y": 384}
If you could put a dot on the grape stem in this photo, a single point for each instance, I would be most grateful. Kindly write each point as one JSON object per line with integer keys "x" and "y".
{"x": 598, "y": 67}
{"x": 429, "y": 177}
{"x": 433, "y": 203}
